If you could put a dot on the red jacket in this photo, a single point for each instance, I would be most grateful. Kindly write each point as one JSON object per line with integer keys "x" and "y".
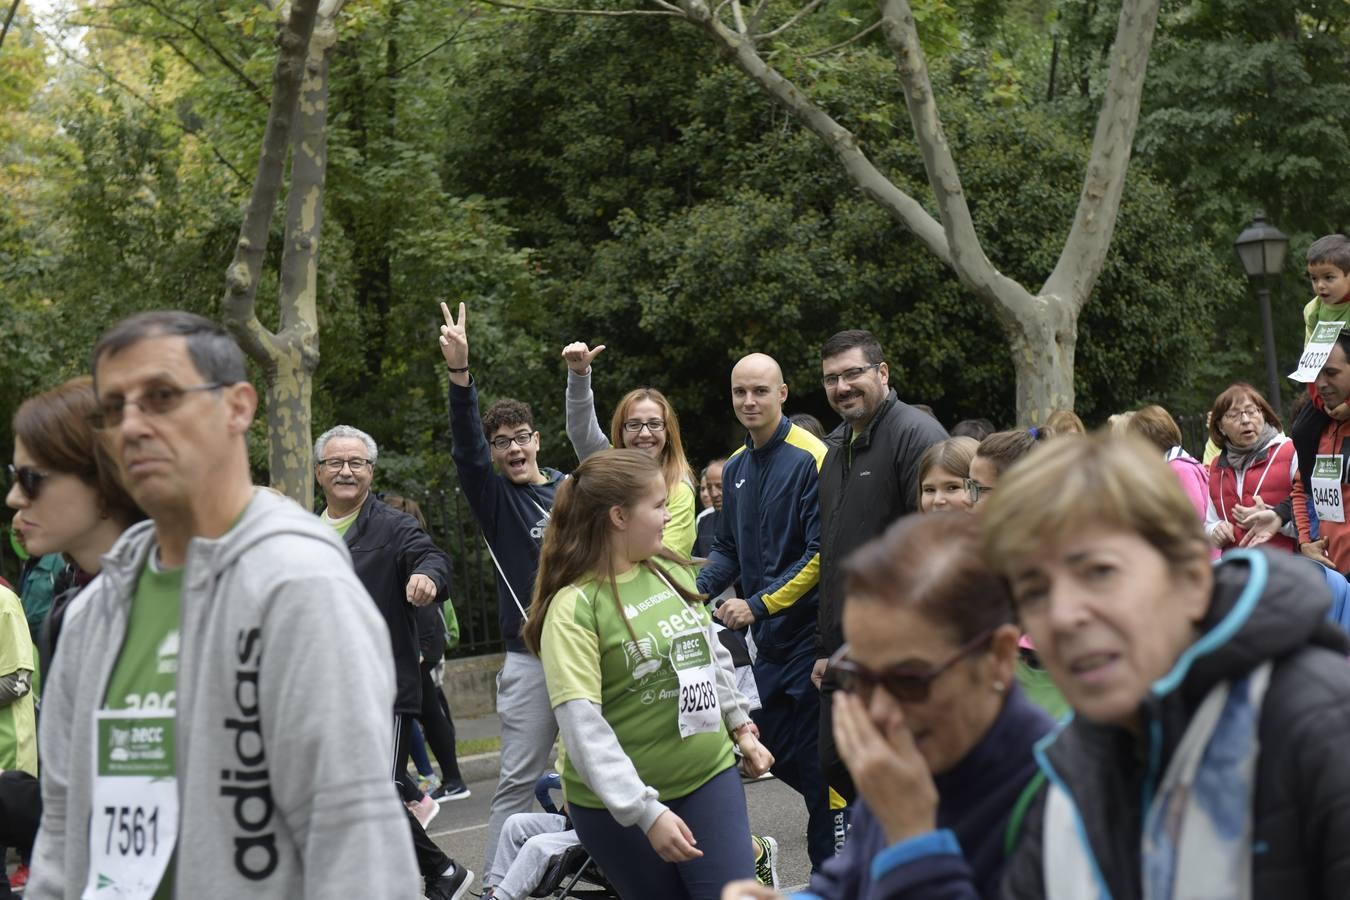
{"x": 1271, "y": 476}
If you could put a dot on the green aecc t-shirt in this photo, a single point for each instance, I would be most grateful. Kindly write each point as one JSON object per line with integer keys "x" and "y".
{"x": 589, "y": 654}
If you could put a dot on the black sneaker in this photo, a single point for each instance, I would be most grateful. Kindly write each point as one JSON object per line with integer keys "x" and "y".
{"x": 451, "y": 790}
{"x": 450, "y": 887}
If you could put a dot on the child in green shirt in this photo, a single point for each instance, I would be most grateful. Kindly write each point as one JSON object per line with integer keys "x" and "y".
{"x": 1329, "y": 272}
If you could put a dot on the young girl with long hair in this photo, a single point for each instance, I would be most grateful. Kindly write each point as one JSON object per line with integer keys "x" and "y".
{"x": 644, "y": 420}
{"x": 643, "y": 693}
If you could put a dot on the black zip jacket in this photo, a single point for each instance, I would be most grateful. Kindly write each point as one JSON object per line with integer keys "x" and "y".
{"x": 388, "y": 547}
{"x": 864, "y": 487}
{"x": 1302, "y": 791}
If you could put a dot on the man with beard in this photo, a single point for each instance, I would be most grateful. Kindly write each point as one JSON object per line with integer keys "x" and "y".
{"x": 868, "y": 480}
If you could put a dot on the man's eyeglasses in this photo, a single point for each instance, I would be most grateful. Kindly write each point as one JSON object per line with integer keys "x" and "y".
{"x": 1237, "y": 415}
{"x": 848, "y": 375}
{"x": 357, "y": 465}
{"x": 634, "y": 426}
{"x": 504, "y": 442}
{"x": 906, "y": 683}
{"x": 975, "y": 490}
{"x": 157, "y": 401}
{"x": 28, "y": 479}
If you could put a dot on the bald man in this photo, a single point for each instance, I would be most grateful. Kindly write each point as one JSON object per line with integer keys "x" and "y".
{"x": 768, "y": 537}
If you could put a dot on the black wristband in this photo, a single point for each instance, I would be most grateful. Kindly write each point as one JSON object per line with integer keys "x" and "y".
{"x": 458, "y": 371}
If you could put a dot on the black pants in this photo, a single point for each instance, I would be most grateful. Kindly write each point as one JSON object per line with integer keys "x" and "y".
{"x": 430, "y": 860}
{"x": 437, "y": 726}
{"x": 837, "y": 778}
{"x": 20, "y": 811}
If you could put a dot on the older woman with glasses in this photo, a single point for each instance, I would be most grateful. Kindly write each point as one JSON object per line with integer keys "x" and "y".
{"x": 1251, "y": 479}
{"x": 644, "y": 421}
{"x": 929, "y": 720}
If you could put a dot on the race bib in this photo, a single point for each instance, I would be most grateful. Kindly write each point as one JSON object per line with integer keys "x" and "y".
{"x": 1317, "y": 350}
{"x": 691, "y": 657}
{"x": 1328, "y": 471}
{"x": 133, "y": 823}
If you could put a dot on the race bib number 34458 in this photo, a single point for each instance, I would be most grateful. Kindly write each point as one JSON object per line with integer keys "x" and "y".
{"x": 133, "y": 824}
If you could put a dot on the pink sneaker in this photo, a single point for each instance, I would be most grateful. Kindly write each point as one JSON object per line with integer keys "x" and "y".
{"x": 425, "y": 810}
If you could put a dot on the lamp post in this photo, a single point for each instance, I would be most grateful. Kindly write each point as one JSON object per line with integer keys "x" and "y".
{"x": 1261, "y": 247}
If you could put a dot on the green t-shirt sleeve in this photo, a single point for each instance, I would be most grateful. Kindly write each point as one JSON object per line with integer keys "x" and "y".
{"x": 570, "y": 649}
{"x": 1309, "y": 319}
{"x": 680, "y": 531}
{"x": 16, "y": 649}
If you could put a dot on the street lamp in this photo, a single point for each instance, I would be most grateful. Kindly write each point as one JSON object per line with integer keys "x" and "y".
{"x": 1261, "y": 247}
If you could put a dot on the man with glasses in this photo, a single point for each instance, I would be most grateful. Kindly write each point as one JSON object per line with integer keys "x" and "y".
{"x": 868, "y": 480}
{"x": 402, "y": 569}
{"x": 218, "y": 727}
{"x": 511, "y": 505}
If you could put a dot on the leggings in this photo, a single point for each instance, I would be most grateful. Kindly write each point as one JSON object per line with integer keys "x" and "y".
{"x": 430, "y": 860}
{"x": 437, "y": 725}
{"x": 715, "y": 814}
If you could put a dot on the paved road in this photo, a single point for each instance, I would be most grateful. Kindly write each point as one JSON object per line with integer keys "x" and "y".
{"x": 461, "y": 827}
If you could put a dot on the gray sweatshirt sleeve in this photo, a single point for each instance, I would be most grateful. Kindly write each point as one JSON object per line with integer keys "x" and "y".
{"x": 593, "y": 749}
{"x": 583, "y": 428}
{"x": 735, "y": 708}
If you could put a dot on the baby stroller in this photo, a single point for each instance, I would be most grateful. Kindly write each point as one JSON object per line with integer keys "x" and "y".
{"x": 571, "y": 872}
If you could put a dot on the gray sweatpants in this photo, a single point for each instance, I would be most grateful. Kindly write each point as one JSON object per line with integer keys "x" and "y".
{"x": 528, "y": 842}
{"x": 528, "y": 732}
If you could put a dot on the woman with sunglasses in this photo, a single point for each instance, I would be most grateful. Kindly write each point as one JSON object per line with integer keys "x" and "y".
{"x": 642, "y": 691}
{"x": 928, "y": 718}
{"x": 645, "y": 421}
{"x": 65, "y": 491}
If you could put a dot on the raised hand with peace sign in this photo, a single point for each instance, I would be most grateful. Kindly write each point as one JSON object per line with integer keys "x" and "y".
{"x": 455, "y": 344}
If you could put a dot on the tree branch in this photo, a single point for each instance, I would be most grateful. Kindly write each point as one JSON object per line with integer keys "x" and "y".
{"x": 903, "y": 208}
{"x": 464, "y": 20}
{"x": 1080, "y": 262}
{"x": 609, "y": 13}
{"x": 796, "y": 17}
{"x": 738, "y": 16}
{"x": 842, "y": 44}
{"x": 215, "y": 51}
{"x": 967, "y": 256}
{"x": 241, "y": 278}
{"x": 9, "y": 18}
{"x": 148, "y": 104}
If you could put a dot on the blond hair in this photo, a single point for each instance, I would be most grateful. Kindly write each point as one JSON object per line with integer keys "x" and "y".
{"x": 952, "y": 455}
{"x": 1101, "y": 480}
{"x": 1065, "y": 421}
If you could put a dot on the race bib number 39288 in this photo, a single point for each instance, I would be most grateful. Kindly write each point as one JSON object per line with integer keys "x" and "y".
{"x": 133, "y": 823}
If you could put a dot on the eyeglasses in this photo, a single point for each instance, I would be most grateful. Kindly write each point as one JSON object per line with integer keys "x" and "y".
{"x": 356, "y": 465}
{"x": 157, "y": 401}
{"x": 635, "y": 426}
{"x": 1237, "y": 415}
{"x": 848, "y": 375}
{"x": 503, "y": 442}
{"x": 975, "y": 490}
{"x": 906, "y": 683}
{"x": 28, "y": 479}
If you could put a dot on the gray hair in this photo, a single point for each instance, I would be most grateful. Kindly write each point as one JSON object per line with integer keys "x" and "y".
{"x": 211, "y": 348}
{"x": 346, "y": 431}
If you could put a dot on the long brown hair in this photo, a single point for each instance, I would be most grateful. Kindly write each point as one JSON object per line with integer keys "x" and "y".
{"x": 577, "y": 541}
{"x": 674, "y": 465}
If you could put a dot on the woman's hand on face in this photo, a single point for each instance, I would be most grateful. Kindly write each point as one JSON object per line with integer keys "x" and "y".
{"x": 887, "y": 768}
{"x": 1222, "y": 535}
{"x": 672, "y": 840}
{"x": 749, "y": 890}
{"x": 755, "y": 757}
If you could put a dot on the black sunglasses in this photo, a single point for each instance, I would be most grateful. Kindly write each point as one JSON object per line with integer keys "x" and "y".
{"x": 906, "y": 683}
{"x": 28, "y": 479}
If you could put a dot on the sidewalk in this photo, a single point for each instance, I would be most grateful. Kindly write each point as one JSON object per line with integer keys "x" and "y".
{"x": 479, "y": 766}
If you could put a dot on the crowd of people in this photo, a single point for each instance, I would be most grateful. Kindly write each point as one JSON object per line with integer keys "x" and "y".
{"x": 1033, "y": 663}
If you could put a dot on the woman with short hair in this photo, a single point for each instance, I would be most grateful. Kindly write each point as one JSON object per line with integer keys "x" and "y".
{"x": 1251, "y": 480}
{"x": 1211, "y": 703}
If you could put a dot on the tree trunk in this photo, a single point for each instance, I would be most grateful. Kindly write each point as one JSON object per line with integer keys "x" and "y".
{"x": 1042, "y": 342}
{"x": 297, "y": 121}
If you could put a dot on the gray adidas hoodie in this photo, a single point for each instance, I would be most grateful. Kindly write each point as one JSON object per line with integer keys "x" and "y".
{"x": 288, "y": 796}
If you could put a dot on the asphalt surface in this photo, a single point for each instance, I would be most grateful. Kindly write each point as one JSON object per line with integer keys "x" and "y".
{"x": 460, "y": 829}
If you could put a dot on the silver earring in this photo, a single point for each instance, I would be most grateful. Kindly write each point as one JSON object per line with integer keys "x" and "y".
{"x": 998, "y": 687}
